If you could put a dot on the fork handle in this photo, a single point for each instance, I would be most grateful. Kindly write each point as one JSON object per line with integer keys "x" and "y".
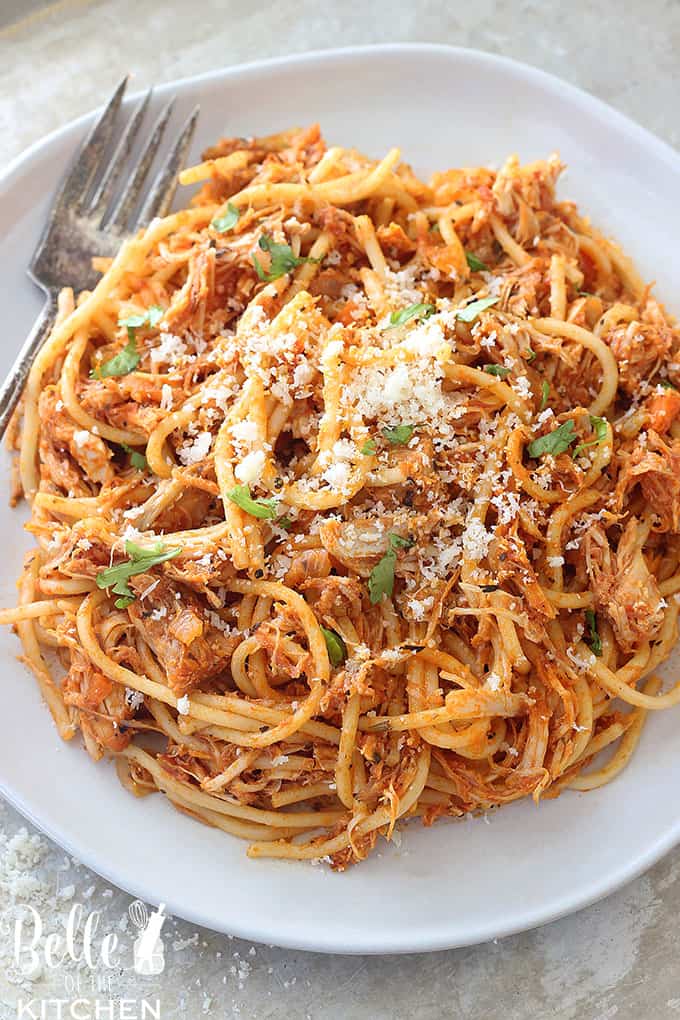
{"x": 13, "y": 386}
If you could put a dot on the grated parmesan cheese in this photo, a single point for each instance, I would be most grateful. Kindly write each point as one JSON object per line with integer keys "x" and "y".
{"x": 197, "y": 451}
{"x": 133, "y": 699}
{"x": 249, "y": 470}
{"x": 166, "y": 397}
{"x": 170, "y": 350}
{"x": 476, "y": 539}
{"x": 522, "y": 387}
{"x": 507, "y": 505}
{"x": 81, "y": 438}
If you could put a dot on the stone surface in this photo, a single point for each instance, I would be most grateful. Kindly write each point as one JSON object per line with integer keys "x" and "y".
{"x": 615, "y": 959}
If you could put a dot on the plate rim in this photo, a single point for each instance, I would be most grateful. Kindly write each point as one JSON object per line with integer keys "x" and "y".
{"x": 528, "y": 71}
{"x": 400, "y": 941}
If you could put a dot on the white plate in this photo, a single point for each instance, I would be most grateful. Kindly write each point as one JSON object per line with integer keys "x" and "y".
{"x": 456, "y": 883}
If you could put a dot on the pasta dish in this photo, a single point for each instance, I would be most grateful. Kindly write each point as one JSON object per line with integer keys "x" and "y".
{"x": 355, "y": 498}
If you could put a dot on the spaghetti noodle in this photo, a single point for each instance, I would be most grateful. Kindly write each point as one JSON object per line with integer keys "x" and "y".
{"x": 355, "y": 498}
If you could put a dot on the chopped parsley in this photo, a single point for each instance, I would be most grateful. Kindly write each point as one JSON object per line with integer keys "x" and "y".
{"x": 399, "y": 435}
{"x": 667, "y": 384}
{"x": 139, "y": 562}
{"x": 545, "y": 393}
{"x": 557, "y": 441}
{"x": 500, "y": 370}
{"x": 337, "y": 651}
{"x": 138, "y": 460}
{"x": 595, "y": 641}
{"x": 262, "y": 508}
{"x": 368, "y": 449}
{"x": 151, "y": 317}
{"x": 126, "y": 361}
{"x": 531, "y": 355}
{"x": 418, "y": 311}
{"x": 227, "y": 222}
{"x": 475, "y": 263}
{"x": 282, "y": 259}
{"x": 397, "y": 542}
{"x": 471, "y": 311}
{"x": 599, "y": 427}
{"x": 381, "y": 581}
{"x": 123, "y": 363}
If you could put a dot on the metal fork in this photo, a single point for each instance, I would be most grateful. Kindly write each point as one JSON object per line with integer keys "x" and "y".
{"x": 89, "y": 218}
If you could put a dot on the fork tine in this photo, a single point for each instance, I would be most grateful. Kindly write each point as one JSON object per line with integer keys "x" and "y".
{"x": 85, "y": 164}
{"x": 118, "y": 218}
{"x": 102, "y": 195}
{"x": 160, "y": 197}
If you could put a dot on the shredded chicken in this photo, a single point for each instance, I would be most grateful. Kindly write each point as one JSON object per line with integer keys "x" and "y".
{"x": 639, "y": 350}
{"x": 172, "y": 621}
{"x": 655, "y": 467}
{"x": 623, "y": 586}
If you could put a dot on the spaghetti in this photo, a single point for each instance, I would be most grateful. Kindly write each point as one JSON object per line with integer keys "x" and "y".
{"x": 355, "y": 498}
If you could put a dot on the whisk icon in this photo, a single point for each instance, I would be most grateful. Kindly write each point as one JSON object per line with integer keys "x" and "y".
{"x": 149, "y": 954}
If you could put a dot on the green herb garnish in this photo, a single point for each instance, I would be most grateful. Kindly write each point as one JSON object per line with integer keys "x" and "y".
{"x": 545, "y": 393}
{"x": 227, "y": 222}
{"x": 140, "y": 561}
{"x": 666, "y": 384}
{"x": 531, "y": 355}
{"x": 599, "y": 427}
{"x": 475, "y": 263}
{"x": 369, "y": 448}
{"x": 138, "y": 460}
{"x": 595, "y": 642}
{"x": 397, "y": 542}
{"x": 123, "y": 363}
{"x": 262, "y": 508}
{"x": 381, "y": 581}
{"x": 399, "y": 435}
{"x": 500, "y": 370}
{"x": 126, "y": 361}
{"x": 282, "y": 259}
{"x": 151, "y": 317}
{"x": 557, "y": 441}
{"x": 337, "y": 652}
{"x": 419, "y": 311}
{"x": 471, "y": 311}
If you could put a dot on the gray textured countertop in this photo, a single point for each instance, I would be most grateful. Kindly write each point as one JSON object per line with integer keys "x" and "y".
{"x": 615, "y": 959}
